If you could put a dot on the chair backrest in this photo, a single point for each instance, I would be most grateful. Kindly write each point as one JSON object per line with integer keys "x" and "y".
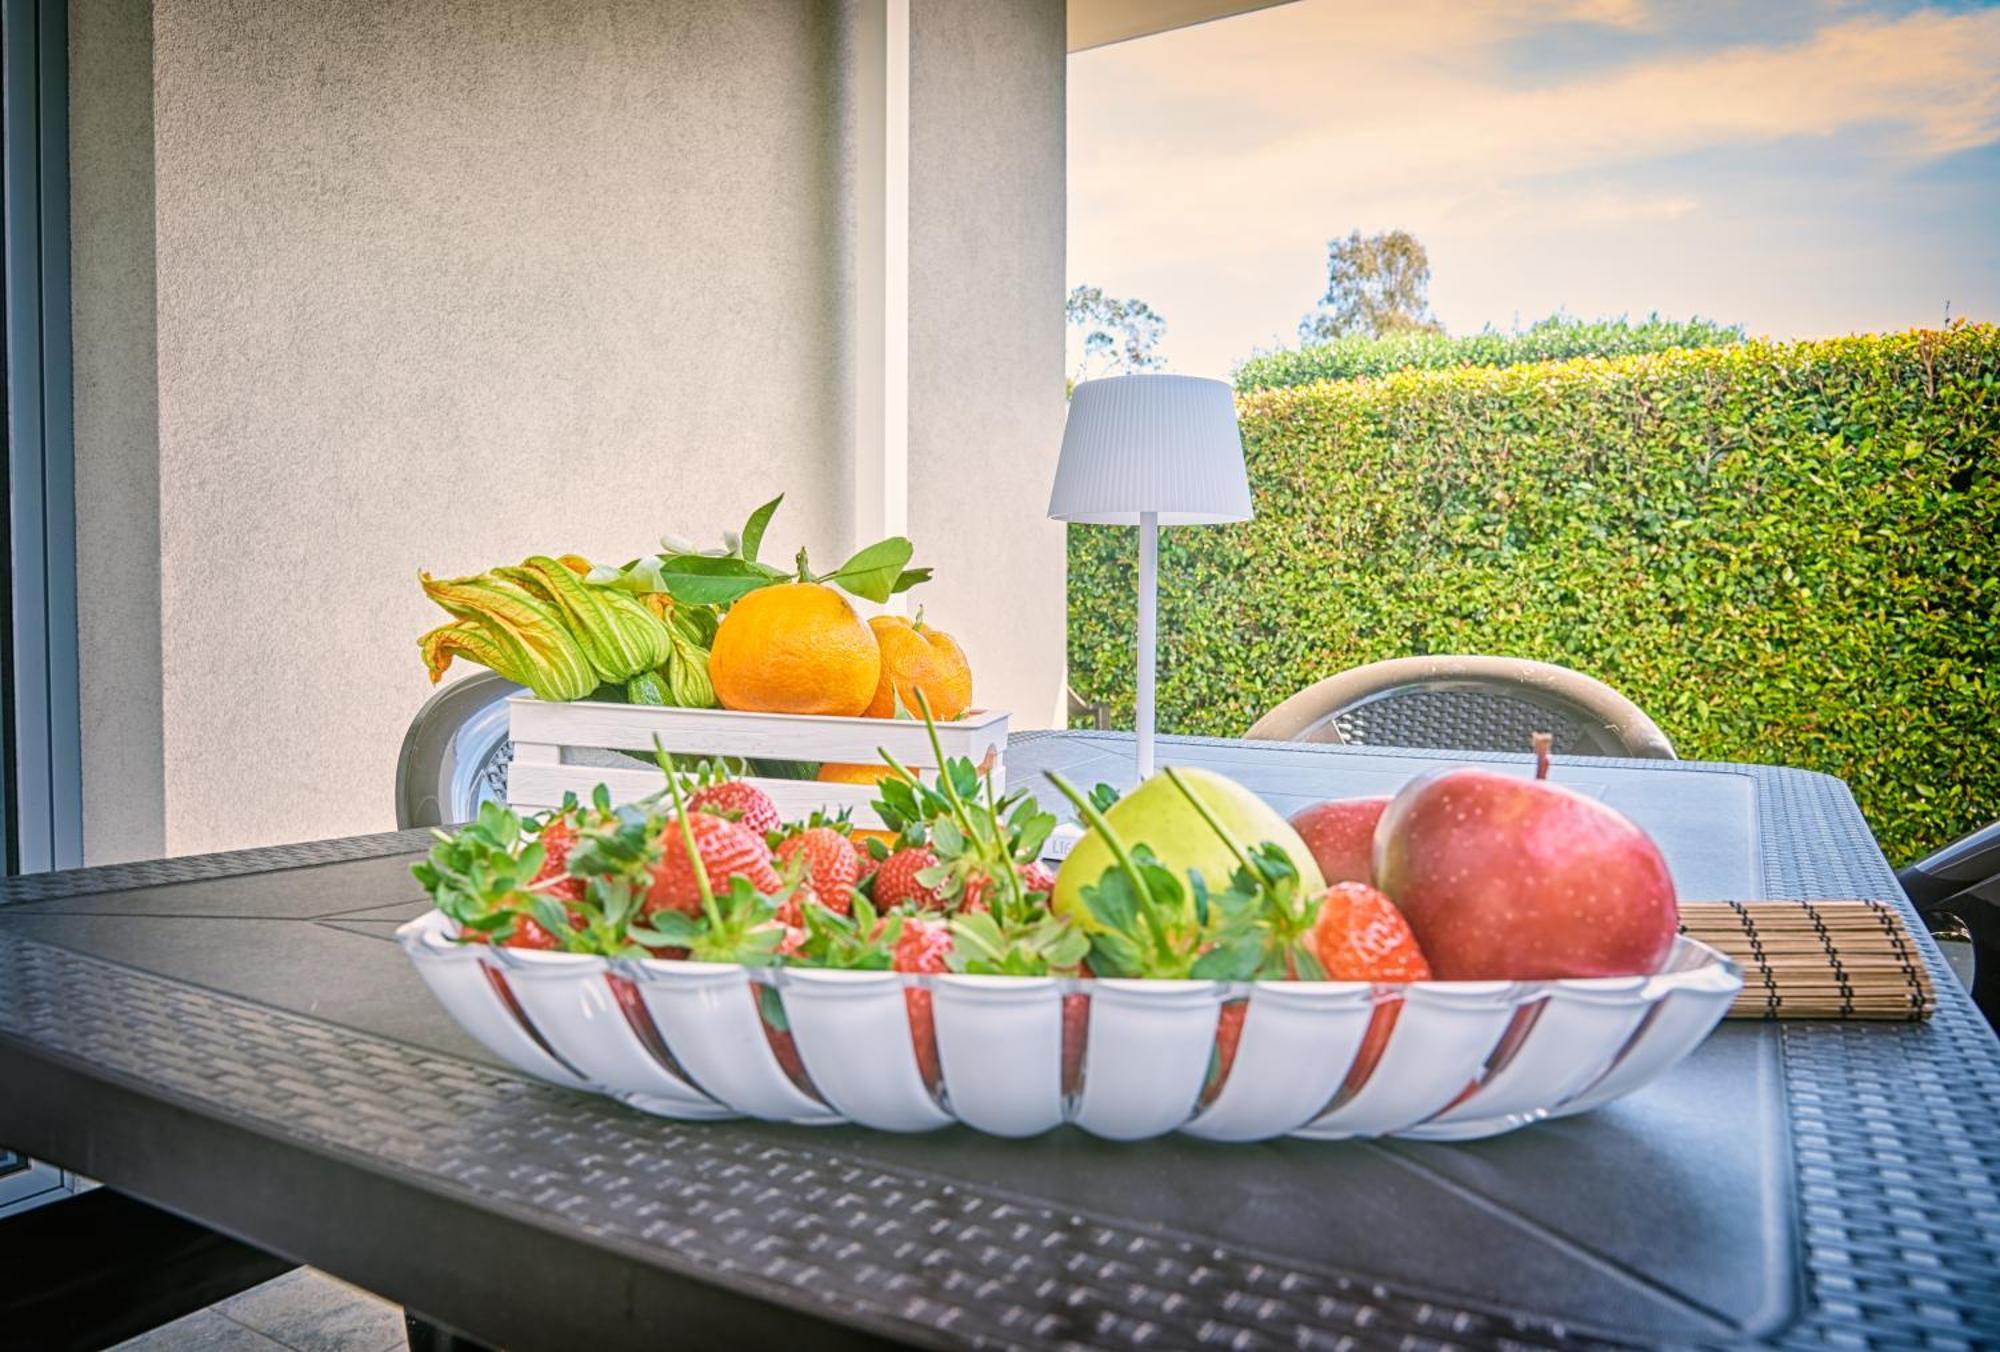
{"x": 1467, "y": 704}
{"x": 456, "y": 753}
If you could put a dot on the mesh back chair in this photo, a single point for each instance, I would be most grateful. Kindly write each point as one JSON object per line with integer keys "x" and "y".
{"x": 456, "y": 753}
{"x": 1957, "y": 891}
{"x": 1466, "y": 704}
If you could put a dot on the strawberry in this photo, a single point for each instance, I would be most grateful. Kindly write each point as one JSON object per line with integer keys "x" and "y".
{"x": 727, "y": 850}
{"x": 1228, "y": 1033}
{"x": 1075, "y": 1034}
{"x": 896, "y": 880}
{"x": 1361, "y": 936}
{"x": 523, "y": 932}
{"x": 1038, "y": 877}
{"x": 745, "y": 803}
{"x": 778, "y": 1033}
{"x": 1034, "y": 877}
{"x": 831, "y": 865}
{"x": 558, "y": 837}
{"x": 923, "y": 946}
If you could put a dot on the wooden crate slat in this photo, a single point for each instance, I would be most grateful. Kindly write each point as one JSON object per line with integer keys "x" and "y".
{"x": 541, "y": 731}
{"x": 542, "y": 786}
{"x": 631, "y": 727}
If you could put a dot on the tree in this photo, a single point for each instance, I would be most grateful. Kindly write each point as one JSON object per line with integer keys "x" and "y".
{"x": 1115, "y": 335}
{"x": 1374, "y": 286}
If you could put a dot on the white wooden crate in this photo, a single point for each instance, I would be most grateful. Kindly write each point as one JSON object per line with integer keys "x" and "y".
{"x": 546, "y": 735}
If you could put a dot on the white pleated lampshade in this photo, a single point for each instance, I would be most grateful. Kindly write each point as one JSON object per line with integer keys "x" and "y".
{"x": 1151, "y": 443}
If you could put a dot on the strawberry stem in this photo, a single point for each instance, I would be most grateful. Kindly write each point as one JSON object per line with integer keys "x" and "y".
{"x": 687, "y": 837}
{"x": 1214, "y": 823}
{"x": 1103, "y": 828}
{"x": 937, "y": 749}
{"x": 1003, "y": 851}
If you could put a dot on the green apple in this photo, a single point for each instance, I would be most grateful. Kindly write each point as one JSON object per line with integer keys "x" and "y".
{"x": 1158, "y": 816}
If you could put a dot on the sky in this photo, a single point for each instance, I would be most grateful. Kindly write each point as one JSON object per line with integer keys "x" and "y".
{"x": 1805, "y": 168}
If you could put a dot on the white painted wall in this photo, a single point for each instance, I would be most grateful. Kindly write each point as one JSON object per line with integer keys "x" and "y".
{"x": 437, "y": 285}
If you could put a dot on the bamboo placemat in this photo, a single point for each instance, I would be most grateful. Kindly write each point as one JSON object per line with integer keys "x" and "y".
{"x": 1816, "y": 959}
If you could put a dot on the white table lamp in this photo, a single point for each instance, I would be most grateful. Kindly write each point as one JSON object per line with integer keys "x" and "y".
{"x": 1151, "y": 451}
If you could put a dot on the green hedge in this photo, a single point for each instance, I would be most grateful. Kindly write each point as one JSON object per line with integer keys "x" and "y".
{"x": 1783, "y": 553}
{"x": 1553, "y": 339}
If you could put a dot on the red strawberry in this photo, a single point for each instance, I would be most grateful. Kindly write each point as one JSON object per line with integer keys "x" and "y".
{"x": 558, "y": 838}
{"x": 830, "y": 863}
{"x": 527, "y": 932}
{"x": 727, "y": 849}
{"x": 1228, "y": 1033}
{"x": 745, "y": 803}
{"x": 923, "y": 946}
{"x": 896, "y": 881}
{"x": 1034, "y": 878}
{"x": 1373, "y": 1043}
{"x": 1075, "y": 1034}
{"x": 778, "y": 1033}
{"x": 1361, "y": 936}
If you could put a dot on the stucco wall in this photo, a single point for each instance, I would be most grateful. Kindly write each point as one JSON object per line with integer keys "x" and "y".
{"x": 986, "y": 337}
{"x": 440, "y": 284}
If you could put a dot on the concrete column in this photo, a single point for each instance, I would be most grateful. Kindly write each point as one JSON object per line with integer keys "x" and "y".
{"x": 113, "y": 307}
{"x": 986, "y": 338}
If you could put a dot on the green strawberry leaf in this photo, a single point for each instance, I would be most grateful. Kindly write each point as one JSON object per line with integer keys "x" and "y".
{"x": 1111, "y": 900}
{"x": 1235, "y": 958}
{"x": 549, "y": 913}
{"x": 667, "y": 929}
{"x": 1115, "y": 955}
{"x": 950, "y": 841}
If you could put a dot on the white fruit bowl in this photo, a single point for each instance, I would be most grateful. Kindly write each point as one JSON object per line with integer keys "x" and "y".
{"x": 1452, "y": 1060}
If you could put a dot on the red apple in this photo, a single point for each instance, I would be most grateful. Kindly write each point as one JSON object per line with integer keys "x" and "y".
{"x": 1341, "y": 835}
{"x": 1519, "y": 879}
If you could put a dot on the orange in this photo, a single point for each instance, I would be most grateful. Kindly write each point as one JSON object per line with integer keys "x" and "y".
{"x": 794, "y": 648}
{"x": 916, "y": 657}
{"x": 839, "y": 772}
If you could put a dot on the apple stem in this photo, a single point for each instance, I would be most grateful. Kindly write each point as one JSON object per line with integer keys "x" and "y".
{"x": 1543, "y": 741}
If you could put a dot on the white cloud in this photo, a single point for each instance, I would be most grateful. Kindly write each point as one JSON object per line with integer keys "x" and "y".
{"x": 1207, "y": 167}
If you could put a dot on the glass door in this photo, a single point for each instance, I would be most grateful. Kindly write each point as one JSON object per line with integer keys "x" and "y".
{"x": 41, "y": 792}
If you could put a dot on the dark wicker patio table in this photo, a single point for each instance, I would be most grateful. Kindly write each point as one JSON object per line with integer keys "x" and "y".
{"x": 236, "y": 1038}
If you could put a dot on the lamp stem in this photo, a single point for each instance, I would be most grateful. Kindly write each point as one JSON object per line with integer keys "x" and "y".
{"x": 1149, "y": 589}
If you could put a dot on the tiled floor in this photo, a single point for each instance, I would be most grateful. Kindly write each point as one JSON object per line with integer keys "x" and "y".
{"x": 304, "y": 1311}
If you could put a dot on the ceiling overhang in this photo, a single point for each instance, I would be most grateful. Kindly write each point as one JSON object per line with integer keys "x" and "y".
{"x": 1098, "y": 23}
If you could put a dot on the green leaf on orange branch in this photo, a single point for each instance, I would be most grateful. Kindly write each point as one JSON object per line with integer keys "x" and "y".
{"x": 873, "y": 573}
{"x": 709, "y": 580}
{"x": 754, "y": 528}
